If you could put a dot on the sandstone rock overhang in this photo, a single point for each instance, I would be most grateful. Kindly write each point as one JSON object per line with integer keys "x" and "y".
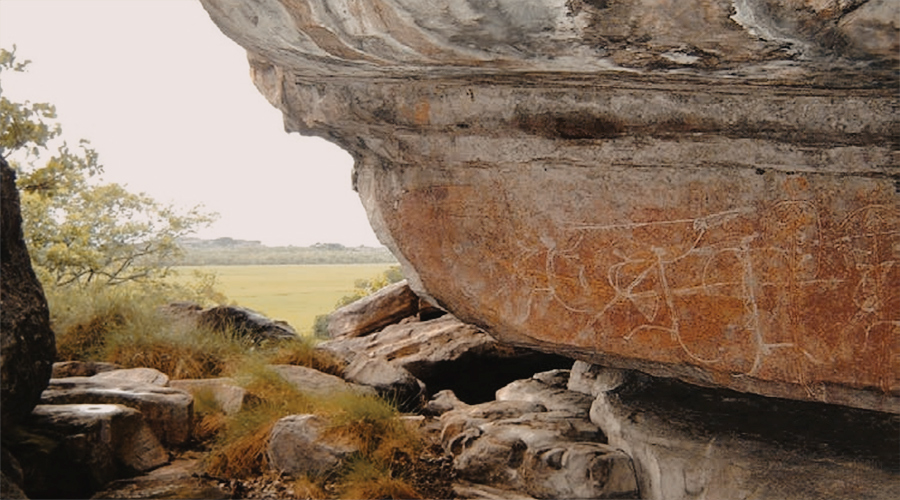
{"x": 702, "y": 189}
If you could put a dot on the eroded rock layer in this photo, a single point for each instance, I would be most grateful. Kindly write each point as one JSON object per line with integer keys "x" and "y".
{"x": 702, "y": 189}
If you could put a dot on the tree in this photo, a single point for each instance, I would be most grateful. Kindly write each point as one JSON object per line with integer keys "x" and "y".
{"x": 78, "y": 229}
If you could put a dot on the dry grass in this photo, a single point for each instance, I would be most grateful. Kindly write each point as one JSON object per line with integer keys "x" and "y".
{"x": 365, "y": 478}
{"x": 304, "y": 353}
{"x": 125, "y": 327}
{"x": 310, "y": 488}
{"x": 87, "y": 339}
{"x": 240, "y": 450}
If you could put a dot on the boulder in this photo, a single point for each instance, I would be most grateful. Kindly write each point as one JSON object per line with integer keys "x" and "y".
{"x": 390, "y": 381}
{"x": 373, "y": 312}
{"x": 554, "y": 397}
{"x": 445, "y": 353}
{"x": 223, "y": 393}
{"x": 689, "y": 443}
{"x": 700, "y": 189}
{"x": 538, "y": 440}
{"x": 147, "y": 376}
{"x": 238, "y": 321}
{"x": 28, "y": 345}
{"x": 594, "y": 379}
{"x": 442, "y": 402}
{"x": 243, "y": 322}
{"x": 317, "y": 383}
{"x": 299, "y": 444}
{"x": 167, "y": 411}
{"x": 73, "y": 450}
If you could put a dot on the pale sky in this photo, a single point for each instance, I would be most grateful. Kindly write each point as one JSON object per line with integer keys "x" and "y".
{"x": 166, "y": 99}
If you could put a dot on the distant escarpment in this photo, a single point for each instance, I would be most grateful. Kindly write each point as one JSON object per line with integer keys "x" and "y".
{"x": 706, "y": 189}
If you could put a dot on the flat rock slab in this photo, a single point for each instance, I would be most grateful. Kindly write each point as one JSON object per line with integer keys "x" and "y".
{"x": 180, "y": 479}
{"x": 167, "y": 411}
{"x": 369, "y": 314}
{"x": 318, "y": 383}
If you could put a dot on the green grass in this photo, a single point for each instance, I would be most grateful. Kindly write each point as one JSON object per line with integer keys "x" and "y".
{"x": 296, "y": 294}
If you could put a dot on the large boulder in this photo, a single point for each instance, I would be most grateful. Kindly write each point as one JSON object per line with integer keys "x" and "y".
{"x": 700, "y": 189}
{"x": 28, "y": 344}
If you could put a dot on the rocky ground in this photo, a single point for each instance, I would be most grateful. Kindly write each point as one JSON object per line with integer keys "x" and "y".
{"x": 536, "y": 427}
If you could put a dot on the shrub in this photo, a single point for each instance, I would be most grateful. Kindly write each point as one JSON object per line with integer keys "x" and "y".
{"x": 365, "y": 287}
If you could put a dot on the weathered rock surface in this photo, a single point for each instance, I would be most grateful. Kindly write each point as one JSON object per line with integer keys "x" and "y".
{"x": 317, "y": 383}
{"x": 167, "y": 411}
{"x": 223, "y": 392}
{"x": 238, "y": 321}
{"x": 546, "y": 450}
{"x": 63, "y": 369}
{"x": 144, "y": 376}
{"x": 444, "y": 353}
{"x": 181, "y": 479}
{"x": 299, "y": 444}
{"x": 390, "y": 381}
{"x": 371, "y": 313}
{"x": 76, "y": 449}
{"x": 28, "y": 344}
{"x": 691, "y": 443}
{"x": 702, "y": 189}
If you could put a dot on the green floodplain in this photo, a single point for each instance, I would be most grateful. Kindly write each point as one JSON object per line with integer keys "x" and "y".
{"x": 293, "y": 293}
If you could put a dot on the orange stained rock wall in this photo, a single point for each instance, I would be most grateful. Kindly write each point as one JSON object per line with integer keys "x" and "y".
{"x": 738, "y": 278}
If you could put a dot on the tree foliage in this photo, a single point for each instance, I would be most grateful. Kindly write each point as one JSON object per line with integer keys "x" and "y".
{"x": 78, "y": 229}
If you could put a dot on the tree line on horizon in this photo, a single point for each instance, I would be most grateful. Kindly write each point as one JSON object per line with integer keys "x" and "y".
{"x": 234, "y": 252}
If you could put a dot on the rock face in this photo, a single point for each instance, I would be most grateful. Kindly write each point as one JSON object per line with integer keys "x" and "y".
{"x": 536, "y": 438}
{"x": 702, "y": 189}
{"x": 28, "y": 344}
{"x": 689, "y": 443}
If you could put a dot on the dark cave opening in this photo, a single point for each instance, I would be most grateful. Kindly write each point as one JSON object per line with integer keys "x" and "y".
{"x": 474, "y": 378}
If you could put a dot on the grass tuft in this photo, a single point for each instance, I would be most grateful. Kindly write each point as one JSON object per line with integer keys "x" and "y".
{"x": 308, "y": 487}
{"x": 303, "y": 352}
{"x": 240, "y": 451}
{"x": 365, "y": 478}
